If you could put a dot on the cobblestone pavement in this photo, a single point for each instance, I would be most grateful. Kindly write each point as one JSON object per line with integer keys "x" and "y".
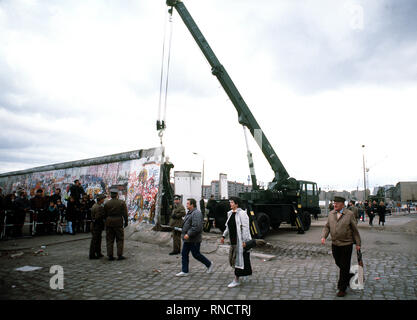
{"x": 298, "y": 271}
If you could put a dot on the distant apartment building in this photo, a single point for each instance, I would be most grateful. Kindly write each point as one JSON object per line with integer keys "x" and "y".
{"x": 188, "y": 185}
{"x": 233, "y": 189}
{"x": 329, "y": 195}
{"x": 405, "y": 191}
{"x": 402, "y": 192}
{"x": 385, "y": 188}
{"x": 207, "y": 192}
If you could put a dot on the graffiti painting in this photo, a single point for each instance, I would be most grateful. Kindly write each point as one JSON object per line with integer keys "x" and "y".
{"x": 137, "y": 179}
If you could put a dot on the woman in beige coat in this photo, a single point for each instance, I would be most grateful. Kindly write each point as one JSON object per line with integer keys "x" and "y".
{"x": 237, "y": 228}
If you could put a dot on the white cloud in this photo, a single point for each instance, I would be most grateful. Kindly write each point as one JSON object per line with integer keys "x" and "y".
{"x": 81, "y": 79}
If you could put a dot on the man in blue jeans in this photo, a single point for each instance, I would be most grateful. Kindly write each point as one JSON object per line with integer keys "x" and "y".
{"x": 192, "y": 236}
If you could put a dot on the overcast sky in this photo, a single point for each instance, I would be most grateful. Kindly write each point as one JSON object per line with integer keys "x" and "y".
{"x": 80, "y": 79}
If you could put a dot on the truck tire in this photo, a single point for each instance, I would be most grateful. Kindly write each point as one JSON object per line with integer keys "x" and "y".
{"x": 220, "y": 214}
{"x": 263, "y": 223}
{"x": 306, "y": 220}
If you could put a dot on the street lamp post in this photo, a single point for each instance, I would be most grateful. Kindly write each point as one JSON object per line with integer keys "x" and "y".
{"x": 364, "y": 174}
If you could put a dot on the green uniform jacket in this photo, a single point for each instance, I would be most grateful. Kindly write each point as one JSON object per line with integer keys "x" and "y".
{"x": 176, "y": 216}
{"x": 115, "y": 211}
{"x": 97, "y": 215}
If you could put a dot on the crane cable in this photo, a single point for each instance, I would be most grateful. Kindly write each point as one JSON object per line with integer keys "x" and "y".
{"x": 161, "y": 124}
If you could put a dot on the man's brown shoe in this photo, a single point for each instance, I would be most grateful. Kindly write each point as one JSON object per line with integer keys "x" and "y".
{"x": 341, "y": 294}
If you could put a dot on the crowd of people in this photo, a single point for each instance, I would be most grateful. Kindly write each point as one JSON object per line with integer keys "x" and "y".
{"x": 367, "y": 209}
{"x": 47, "y": 214}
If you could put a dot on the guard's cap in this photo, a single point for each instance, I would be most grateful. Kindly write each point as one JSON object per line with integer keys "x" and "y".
{"x": 339, "y": 199}
{"x": 177, "y": 197}
{"x": 101, "y": 196}
{"x": 114, "y": 189}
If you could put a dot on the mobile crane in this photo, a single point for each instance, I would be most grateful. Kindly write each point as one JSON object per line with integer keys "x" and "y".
{"x": 286, "y": 199}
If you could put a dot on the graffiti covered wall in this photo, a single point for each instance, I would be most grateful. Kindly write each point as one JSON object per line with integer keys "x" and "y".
{"x": 137, "y": 174}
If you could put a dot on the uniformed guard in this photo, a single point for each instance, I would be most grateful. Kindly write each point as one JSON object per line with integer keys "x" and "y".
{"x": 97, "y": 227}
{"x": 176, "y": 222}
{"x": 115, "y": 213}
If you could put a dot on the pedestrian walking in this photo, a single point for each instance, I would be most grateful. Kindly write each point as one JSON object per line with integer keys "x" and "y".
{"x": 369, "y": 213}
{"x": 343, "y": 229}
{"x": 354, "y": 209}
{"x": 176, "y": 221}
{"x": 361, "y": 209}
{"x": 381, "y": 213}
{"x": 237, "y": 228}
{"x": 97, "y": 227}
{"x": 374, "y": 211}
{"x": 192, "y": 236}
{"x": 115, "y": 214}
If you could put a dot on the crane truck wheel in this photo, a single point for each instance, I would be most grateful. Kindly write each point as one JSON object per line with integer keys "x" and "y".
{"x": 306, "y": 220}
{"x": 220, "y": 214}
{"x": 263, "y": 223}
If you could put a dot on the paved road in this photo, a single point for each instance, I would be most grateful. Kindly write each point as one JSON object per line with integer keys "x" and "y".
{"x": 301, "y": 269}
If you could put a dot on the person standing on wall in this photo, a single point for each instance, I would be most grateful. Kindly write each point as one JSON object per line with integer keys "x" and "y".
{"x": 237, "y": 228}
{"x": 192, "y": 230}
{"x": 97, "y": 227}
{"x": 176, "y": 222}
{"x": 115, "y": 214}
{"x": 342, "y": 226}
